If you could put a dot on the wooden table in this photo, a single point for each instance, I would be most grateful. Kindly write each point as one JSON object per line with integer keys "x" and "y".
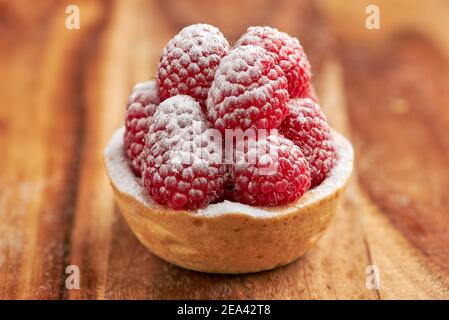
{"x": 63, "y": 92}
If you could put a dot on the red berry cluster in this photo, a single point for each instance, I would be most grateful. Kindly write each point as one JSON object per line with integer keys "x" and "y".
{"x": 203, "y": 86}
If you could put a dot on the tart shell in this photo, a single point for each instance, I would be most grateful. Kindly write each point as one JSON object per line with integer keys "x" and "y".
{"x": 228, "y": 237}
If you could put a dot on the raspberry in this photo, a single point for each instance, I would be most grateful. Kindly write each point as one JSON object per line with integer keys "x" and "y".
{"x": 139, "y": 110}
{"x": 310, "y": 93}
{"x": 271, "y": 171}
{"x": 287, "y": 52}
{"x": 182, "y": 167}
{"x": 306, "y": 126}
{"x": 188, "y": 62}
{"x": 249, "y": 91}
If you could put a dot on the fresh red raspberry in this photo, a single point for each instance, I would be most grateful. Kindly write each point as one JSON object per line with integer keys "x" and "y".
{"x": 310, "y": 93}
{"x": 287, "y": 52}
{"x": 271, "y": 171}
{"x": 307, "y": 127}
{"x": 188, "y": 62}
{"x": 182, "y": 163}
{"x": 249, "y": 91}
{"x": 141, "y": 106}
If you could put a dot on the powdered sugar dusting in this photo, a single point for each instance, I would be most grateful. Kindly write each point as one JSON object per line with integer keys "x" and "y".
{"x": 287, "y": 52}
{"x": 141, "y": 107}
{"x": 179, "y": 125}
{"x": 249, "y": 90}
{"x": 147, "y": 86}
{"x": 188, "y": 62}
{"x": 119, "y": 171}
{"x": 181, "y": 163}
{"x": 123, "y": 178}
{"x": 307, "y": 127}
{"x": 279, "y": 175}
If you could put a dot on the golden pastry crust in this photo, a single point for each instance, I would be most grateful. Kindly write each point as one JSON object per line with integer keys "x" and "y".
{"x": 238, "y": 240}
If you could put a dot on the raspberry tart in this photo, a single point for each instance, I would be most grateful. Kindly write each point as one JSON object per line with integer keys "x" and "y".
{"x": 226, "y": 162}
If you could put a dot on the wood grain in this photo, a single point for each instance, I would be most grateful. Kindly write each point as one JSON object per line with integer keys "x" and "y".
{"x": 63, "y": 92}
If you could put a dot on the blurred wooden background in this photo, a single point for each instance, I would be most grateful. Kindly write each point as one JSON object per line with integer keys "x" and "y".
{"x": 63, "y": 92}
